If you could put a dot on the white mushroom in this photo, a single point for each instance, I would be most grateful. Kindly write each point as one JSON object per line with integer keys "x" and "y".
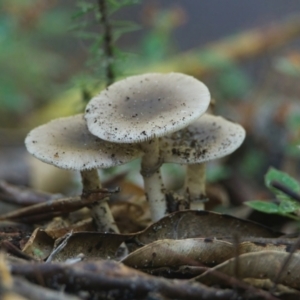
{"x": 208, "y": 138}
{"x": 139, "y": 109}
{"x": 67, "y": 144}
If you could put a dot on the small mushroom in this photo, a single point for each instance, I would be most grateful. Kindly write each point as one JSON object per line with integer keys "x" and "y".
{"x": 139, "y": 109}
{"x": 67, "y": 144}
{"x": 208, "y": 138}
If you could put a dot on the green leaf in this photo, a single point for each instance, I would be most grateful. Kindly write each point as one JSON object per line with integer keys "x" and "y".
{"x": 83, "y": 8}
{"x": 285, "y": 179}
{"x": 263, "y": 206}
{"x": 288, "y": 206}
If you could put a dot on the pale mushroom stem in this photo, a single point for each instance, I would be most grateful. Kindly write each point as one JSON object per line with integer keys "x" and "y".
{"x": 100, "y": 211}
{"x": 150, "y": 170}
{"x": 194, "y": 185}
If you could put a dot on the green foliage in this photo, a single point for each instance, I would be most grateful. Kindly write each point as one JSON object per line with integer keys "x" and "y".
{"x": 287, "y": 67}
{"x": 284, "y": 204}
{"x": 232, "y": 83}
{"x": 263, "y": 206}
{"x": 158, "y": 44}
{"x": 252, "y": 162}
{"x": 28, "y": 36}
{"x": 216, "y": 173}
{"x": 293, "y": 127}
{"x": 101, "y": 32}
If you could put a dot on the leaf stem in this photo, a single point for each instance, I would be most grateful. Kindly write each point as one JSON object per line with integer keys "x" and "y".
{"x": 291, "y": 216}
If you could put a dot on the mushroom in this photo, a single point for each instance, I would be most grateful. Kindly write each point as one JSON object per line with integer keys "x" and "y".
{"x": 209, "y": 137}
{"x": 67, "y": 144}
{"x": 141, "y": 108}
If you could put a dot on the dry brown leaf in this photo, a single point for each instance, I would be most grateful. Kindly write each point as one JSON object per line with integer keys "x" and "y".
{"x": 131, "y": 216}
{"x": 267, "y": 284}
{"x": 261, "y": 265}
{"x": 130, "y": 208}
{"x": 195, "y": 224}
{"x": 246, "y": 247}
{"x": 39, "y": 246}
{"x": 90, "y": 245}
{"x": 174, "y": 253}
{"x": 59, "y": 227}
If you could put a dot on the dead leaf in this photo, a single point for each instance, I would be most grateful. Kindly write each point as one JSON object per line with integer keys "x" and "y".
{"x": 39, "y": 246}
{"x": 174, "y": 253}
{"x": 58, "y": 227}
{"x": 91, "y": 245}
{"x": 267, "y": 284}
{"x": 261, "y": 265}
{"x": 246, "y": 247}
{"x": 195, "y": 224}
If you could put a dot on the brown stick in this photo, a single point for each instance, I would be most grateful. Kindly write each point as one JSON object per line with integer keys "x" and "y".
{"x": 108, "y": 275}
{"x": 54, "y": 206}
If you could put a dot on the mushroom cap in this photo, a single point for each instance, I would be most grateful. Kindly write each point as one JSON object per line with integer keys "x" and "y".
{"x": 67, "y": 144}
{"x": 208, "y": 138}
{"x": 142, "y": 107}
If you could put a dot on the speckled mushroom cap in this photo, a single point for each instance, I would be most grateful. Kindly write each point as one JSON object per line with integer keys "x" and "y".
{"x": 208, "y": 138}
{"x": 142, "y": 107}
{"x": 67, "y": 143}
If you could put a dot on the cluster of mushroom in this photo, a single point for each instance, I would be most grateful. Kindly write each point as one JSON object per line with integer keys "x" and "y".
{"x": 157, "y": 117}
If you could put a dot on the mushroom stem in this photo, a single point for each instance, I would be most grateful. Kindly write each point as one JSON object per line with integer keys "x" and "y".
{"x": 100, "y": 211}
{"x": 153, "y": 185}
{"x": 194, "y": 186}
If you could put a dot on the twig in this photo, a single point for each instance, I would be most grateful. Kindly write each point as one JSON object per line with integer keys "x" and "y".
{"x": 107, "y": 276}
{"x": 12, "y": 249}
{"x": 236, "y": 243}
{"x": 36, "y": 292}
{"x": 56, "y": 207}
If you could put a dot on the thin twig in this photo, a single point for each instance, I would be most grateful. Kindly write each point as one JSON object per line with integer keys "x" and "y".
{"x": 236, "y": 243}
{"x": 108, "y": 276}
{"x": 56, "y": 207}
{"x": 12, "y": 249}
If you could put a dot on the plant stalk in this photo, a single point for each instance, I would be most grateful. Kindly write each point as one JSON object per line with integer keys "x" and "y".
{"x": 107, "y": 45}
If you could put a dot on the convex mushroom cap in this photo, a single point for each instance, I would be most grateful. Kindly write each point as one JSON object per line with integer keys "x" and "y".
{"x": 209, "y": 137}
{"x": 142, "y": 107}
{"x": 67, "y": 143}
